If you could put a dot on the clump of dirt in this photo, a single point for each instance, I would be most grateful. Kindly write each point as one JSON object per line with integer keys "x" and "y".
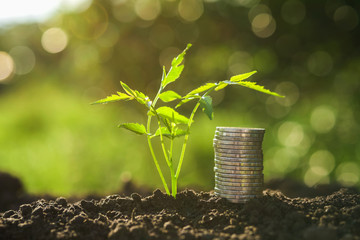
{"x": 192, "y": 215}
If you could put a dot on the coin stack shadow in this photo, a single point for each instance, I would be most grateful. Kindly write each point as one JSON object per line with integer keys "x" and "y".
{"x": 238, "y": 163}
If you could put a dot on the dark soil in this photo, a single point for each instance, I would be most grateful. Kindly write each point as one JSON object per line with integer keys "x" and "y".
{"x": 192, "y": 215}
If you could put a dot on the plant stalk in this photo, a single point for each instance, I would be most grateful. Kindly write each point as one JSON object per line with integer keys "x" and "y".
{"x": 151, "y": 148}
{"x": 185, "y": 141}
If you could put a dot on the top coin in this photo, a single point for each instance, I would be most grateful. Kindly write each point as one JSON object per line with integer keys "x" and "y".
{"x": 239, "y": 134}
{"x": 239, "y": 129}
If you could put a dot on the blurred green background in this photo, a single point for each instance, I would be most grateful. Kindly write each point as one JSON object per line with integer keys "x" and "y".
{"x": 56, "y": 142}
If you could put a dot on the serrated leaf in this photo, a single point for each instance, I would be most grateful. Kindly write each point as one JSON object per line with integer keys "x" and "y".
{"x": 134, "y": 127}
{"x": 185, "y": 101}
{"x": 176, "y": 61}
{"x": 171, "y": 115}
{"x": 206, "y": 105}
{"x": 114, "y": 98}
{"x": 127, "y": 89}
{"x": 259, "y": 88}
{"x": 240, "y": 77}
{"x": 220, "y": 86}
{"x": 176, "y": 69}
{"x": 169, "y": 96}
{"x": 173, "y": 74}
{"x": 201, "y": 89}
{"x": 139, "y": 96}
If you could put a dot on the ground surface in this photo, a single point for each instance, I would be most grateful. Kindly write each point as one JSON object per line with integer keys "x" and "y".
{"x": 193, "y": 215}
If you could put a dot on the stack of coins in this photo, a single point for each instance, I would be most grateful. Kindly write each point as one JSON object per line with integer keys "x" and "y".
{"x": 238, "y": 163}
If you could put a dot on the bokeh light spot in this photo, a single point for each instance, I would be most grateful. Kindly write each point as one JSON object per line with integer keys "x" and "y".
{"x": 290, "y": 134}
{"x": 320, "y": 63}
{"x": 123, "y": 11}
{"x": 346, "y": 17}
{"x": 347, "y": 173}
{"x": 190, "y": 10}
{"x": 6, "y": 66}
{"x": 258, "y": 9}
{"x": 311, "y": 178}
{"x": 322, "y": 162}
{"x": 24, "y": 59}
{"x": 293, "y": 11}
{"x": 243, "y": 3}
{"x": 290, "y": 91}
{"x": 322, "y": 119}
{"x": 148, "y": 9}
{"x": 89, "y": 24}
{"x": 263, "y": 25}
{"x": 54, "y": 40}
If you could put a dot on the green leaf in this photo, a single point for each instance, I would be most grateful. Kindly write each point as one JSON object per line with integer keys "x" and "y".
{"x": 169, "y": 96}
{"x": 114, "y": 98}
{"x": 186, "y": 100}
{"x": 173, "y": 74}
{"x": 171, "y": 115}
{"x": 240, "y": 77}
{"x": 201, "y": 89}
{"x": 176, "y": 61}
{"x": 220, "y": 86}
{"x": 127, "y": 89}
{"x": 206, "y": 105}
{"x": 176, "y": 69}
{"x": 139, "y": 96}
{"x": 165, "y": 132}
{"x": 259, "y": 88}
{"x": 134, "y": 127}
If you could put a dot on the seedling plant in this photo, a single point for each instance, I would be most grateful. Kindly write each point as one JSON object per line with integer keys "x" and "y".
{"x": 170, "y": 123}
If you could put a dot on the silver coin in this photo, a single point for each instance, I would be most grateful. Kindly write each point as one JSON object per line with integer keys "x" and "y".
{"x": 249, "y": 159}
{"x": 237, "y": 178}
{"x": 243, "y": 135}
{"x": 240, "y": 168}
{"x": 239, "y": 163}
{"x": 237, "y": 167}
{"x": 238, "y": 184}
{"x": 240, "y": 155}
{"x": 238, "y": 192}
{"x": 243, "y": 139}
{"x": 232, "y": 183}
{"x": 236, "y": 188}
{"x": 234, "y": 196}
{"x": 238, "y": 147}
{"x": 237, "y": 143}
{"x": 240, "y": 176}
{"x": 238, "y": 151}
{"x": 240, "y": 134}
{"x": 240, "y": 129}
{"x": 238, "y": 172}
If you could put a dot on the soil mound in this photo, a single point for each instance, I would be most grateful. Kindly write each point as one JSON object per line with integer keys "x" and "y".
{"x": 191, "y": 215}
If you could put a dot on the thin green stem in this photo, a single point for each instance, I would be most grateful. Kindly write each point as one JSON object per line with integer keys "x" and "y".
{"x": 151, "y": 148}
{"x": 186, "y": 140}
{"x": 162, "y": 142}
{"x": 187, "y": 135}
{"x": 173, "y": 178}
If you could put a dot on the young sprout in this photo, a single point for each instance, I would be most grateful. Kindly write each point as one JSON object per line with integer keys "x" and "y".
{"x": 170, "y": 123}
